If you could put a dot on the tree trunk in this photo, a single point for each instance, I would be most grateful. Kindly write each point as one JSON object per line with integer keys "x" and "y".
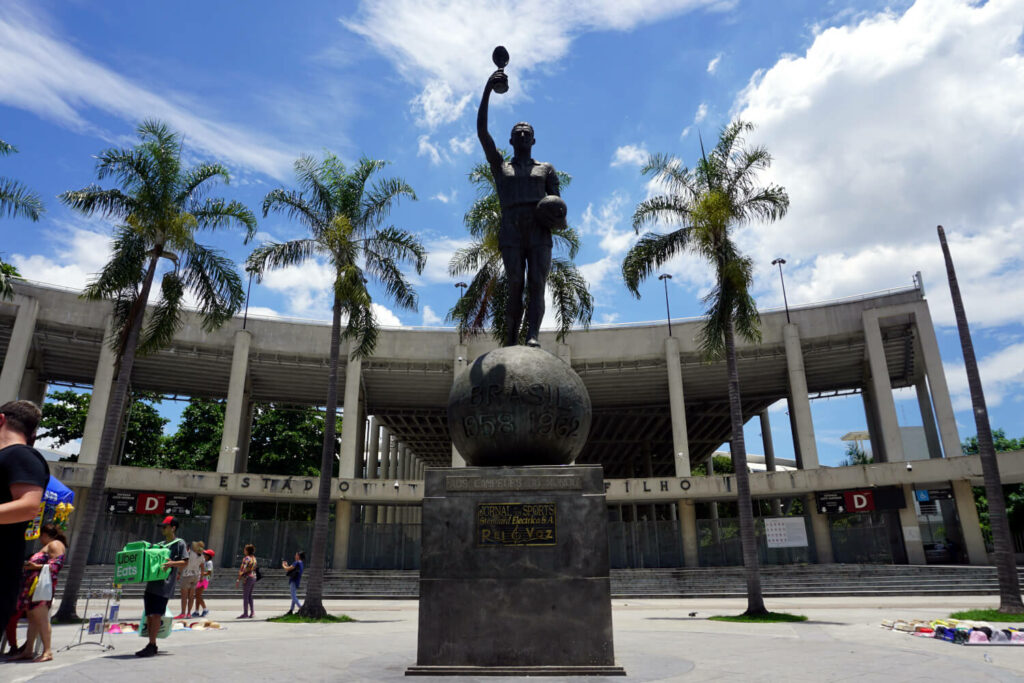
{"x": 112, "y": 422}
{"x": 1006, "y": 565}
{"x": 748, "y": 541}
{"x": 314, "y": 605}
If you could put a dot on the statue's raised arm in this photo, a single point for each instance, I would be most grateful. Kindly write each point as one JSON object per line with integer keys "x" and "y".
{"x": 498, "y": 82}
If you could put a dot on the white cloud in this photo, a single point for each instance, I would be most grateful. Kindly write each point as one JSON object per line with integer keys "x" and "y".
{"x": 701, "y": 113}
{"x": 447, "y": 44}
{"x": 615, "y": 235}
{"x": 438, "y": 104}
{"x": 885, "y": 128}
{"x": 630, "y": 155}
{"x": 385, "y": 316}
{"x": 713, "y": 64}
{"x": 306, "y": 287}
{"x": 1002, "y": 376}
{"x": 42, "y": 74}
{"x": 464, "y": 145}
{"x": 429, "y": 149}
{"x": 445, "y": 198}
{"x": 441, "y": 252}
{"x": 430, "y": 318}
{"x": 80, "y": 253}
{"x": 609, "y": 318}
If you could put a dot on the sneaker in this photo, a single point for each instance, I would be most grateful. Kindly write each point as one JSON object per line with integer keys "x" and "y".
{"x": 182, "y": 616}
{"x": 205, "y": 612}
{"x": 196, "y": 614}
{"x": 148, "y": 651}
{"x": 242, "y": 616}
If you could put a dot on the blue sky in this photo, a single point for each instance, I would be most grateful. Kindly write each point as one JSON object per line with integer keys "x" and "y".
{"x": 884, "y": 119}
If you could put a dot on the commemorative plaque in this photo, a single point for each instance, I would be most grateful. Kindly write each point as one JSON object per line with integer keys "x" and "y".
{"x": 504, "y": 524}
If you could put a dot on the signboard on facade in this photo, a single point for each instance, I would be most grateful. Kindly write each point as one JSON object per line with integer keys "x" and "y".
{"x": 121, "y": 503}
{"x": 831, "y": 502}
{"x": 859, "y": 501}
{"x": 785, "y": 532}
{"x": 929, "y": 495}
{"x": 151, "y": 503}
{"x": 179, "y": 505}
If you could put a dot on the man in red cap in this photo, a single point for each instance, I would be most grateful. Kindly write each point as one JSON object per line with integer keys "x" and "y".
{"x": 160, "y": 591}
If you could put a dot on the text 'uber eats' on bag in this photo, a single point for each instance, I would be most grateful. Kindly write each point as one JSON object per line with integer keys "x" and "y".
{"x": 142, "y": 561}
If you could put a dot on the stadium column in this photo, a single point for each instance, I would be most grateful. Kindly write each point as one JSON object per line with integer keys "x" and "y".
{"x": 372, "y": 453}
{"x": 235, "y": 410}
{"x": 911, "y": 530}
{"x": 769, "y": 455}
{"x": 881, "y": 387}
{"x": 18, "y": 348}
{"x": 385, "y": 470}
{"x": 970, "y": 525}
{"x": 351, "y": 445}
{"x": 461, "y": 358}
{"x": 803, "y": 436}
{"x": 681, "y": 450}
{"x": 102, "y": 383}
{"x": 941, "y": 402}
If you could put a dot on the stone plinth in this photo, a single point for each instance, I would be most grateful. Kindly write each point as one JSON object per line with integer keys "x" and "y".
{"x": 514, "y": 572}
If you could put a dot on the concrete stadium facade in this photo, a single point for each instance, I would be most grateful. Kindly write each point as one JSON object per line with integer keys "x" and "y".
{"x": 659, "y": 410}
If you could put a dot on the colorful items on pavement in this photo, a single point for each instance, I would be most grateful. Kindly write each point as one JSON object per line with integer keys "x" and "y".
{"x": 960, "y": 632}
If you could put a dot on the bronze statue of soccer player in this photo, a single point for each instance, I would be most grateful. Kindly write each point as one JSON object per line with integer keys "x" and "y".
{"x": 527, "y": 217}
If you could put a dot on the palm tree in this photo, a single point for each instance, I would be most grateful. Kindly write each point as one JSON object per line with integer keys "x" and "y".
{"x": 160, "y": 207}
{"x": 708, "y": 202}
{"x": 1006, "y": 565}
{"x": 344, "y": 218}
{"x": 483, "y": 301}
{"x": 15, "y": 200}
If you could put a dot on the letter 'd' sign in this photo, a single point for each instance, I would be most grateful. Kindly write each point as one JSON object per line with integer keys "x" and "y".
{"x": 151, "y": 504}
{"x": 859, "y": 501}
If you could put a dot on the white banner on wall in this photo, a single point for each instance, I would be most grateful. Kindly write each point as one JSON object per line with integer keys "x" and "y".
{"x": 785, "y": 532}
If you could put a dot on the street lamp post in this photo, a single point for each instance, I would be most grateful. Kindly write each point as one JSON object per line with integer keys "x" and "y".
{"x": 245, "y": 316}
{"x": 778, "y": 262}
{"x": 668, "y": 315}
{"x": 461, "y": 286}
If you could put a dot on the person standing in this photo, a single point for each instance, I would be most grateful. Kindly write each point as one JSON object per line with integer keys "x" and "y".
{"x": 51, "y": 555}
{"x": 204, "y": 582}
{"x": 190, "y": 576}
{"x": 23, "y": 477}
{"x": 160, "y": 591}
{"x": 247, "y": 577}
{"x": 294, "y": 573}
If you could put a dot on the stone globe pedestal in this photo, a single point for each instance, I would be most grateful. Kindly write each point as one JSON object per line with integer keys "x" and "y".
{"x": 514, "y": 573}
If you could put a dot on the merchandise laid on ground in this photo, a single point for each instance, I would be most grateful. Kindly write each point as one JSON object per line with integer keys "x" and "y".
{"x": 961, "y": 632}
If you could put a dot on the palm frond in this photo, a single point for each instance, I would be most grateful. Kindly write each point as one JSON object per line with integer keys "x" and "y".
{"x": 123, "y": 271}
{"x": 94, "y": 199}
{"x": 293, "y": 205}
{"x": 280, "y": 255}
{"x": 390, "y": 276}
{"x": 165, "y": 320}
{"x": 132, "y": 168}
{"x": 566, "y": 238}
{"x": 214, "y": 214}
{"x": 7, "y": 148}
{"x": 311, "y": 176}
{"x": 378, "y": 202}
{"x": 467, "y": 259}
{"x": 766, "y": 204}
{"x": 571, "y": 296}
{"x": 17, "y": 200}
{"x": 195, "y": 181}
{"x": 650, "y": 253}
{"x": 667, "y": 209}
{"x": 400, "y": 245}
{"x": 213, "y": 279}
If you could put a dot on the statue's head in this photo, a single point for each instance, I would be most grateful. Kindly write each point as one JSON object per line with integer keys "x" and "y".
{"x": 522, "y": 138}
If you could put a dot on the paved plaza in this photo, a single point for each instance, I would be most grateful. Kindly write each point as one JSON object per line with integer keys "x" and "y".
{"x": 655, "y": 640}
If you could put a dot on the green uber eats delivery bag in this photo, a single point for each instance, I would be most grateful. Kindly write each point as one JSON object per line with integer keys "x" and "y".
{"x": 141, "y": 562}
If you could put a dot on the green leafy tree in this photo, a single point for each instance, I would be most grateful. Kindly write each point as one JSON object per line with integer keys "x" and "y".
{"x": 15, "y": 200}
{"x": 1013, "y": 493}
{"x": 65, "y": 412}
{"x": 708, "y": 203}
{"x": 159, "y": 206}
{"x": 855, "y": 455}
{"x": 287, "y": 441}
{"x": 1002, "y": 541}
{"x": 195, "y": 445}
{"x": 483, "y": 302}
{"x": 346, "y": 218}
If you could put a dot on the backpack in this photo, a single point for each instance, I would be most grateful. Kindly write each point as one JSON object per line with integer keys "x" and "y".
{"x": 257, "y": 573}
{"x": 142, "y": 562}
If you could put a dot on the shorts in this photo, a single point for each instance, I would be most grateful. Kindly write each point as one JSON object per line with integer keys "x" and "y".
{"x": 154, "y": 604}
{"x": 188, "y": 582}
{"x": 202, "y": 584}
